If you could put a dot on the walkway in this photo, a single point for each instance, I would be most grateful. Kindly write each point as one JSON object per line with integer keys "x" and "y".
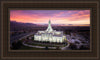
{"x": 66, "y": 47}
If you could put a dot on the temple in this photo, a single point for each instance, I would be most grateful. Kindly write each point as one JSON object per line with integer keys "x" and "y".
{"x": 50, "y": 35}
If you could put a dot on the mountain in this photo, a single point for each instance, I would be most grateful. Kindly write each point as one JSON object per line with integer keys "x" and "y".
{"x": 19, "y": 25}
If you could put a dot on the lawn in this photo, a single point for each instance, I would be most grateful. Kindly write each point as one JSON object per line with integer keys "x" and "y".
{"x": 32, "y": 48}
{"x": 29, "y": 48}
{"x": 45, "y": 45}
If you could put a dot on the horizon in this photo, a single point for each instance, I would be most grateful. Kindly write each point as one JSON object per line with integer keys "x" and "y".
{"x": 57, "y": 24}
{"x": 78, "y": 17}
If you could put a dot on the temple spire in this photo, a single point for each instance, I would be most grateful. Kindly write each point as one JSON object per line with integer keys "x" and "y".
{"x": 49, "y": 29}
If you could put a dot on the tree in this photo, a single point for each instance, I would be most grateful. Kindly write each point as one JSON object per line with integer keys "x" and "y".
{"x": 73, "y": 46}
{"x": 46, "y": 47}
{"x": 16, "y": 45}
{"x": 57, "y": 47}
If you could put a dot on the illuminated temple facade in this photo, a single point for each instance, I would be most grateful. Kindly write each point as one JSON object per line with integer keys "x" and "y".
{"x": 50, "y": 35}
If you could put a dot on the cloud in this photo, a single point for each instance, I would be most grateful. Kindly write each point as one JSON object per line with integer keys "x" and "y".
{"x": 42, "y": 16}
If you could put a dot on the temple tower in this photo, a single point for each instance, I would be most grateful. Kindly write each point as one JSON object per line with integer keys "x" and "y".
{"x": 49, "y": 29}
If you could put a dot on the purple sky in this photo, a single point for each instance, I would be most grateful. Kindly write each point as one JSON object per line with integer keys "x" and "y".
{"x": 56, "y": 16}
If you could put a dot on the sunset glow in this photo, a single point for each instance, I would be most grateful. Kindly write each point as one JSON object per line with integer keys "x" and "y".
{"x": 56, "y": 16}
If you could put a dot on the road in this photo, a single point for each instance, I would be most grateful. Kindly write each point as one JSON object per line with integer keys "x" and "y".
{"x": 62, "y": 48}
{"x": 17, "y": 37}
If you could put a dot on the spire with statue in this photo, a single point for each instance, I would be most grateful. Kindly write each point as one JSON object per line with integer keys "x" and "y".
{"x": 49, "y": 29}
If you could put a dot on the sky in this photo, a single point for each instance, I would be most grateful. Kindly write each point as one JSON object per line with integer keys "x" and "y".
{"x": 56, "y": 16}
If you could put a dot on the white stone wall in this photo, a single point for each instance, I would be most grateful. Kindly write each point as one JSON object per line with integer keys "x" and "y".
{"x": 47, "y": 38}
